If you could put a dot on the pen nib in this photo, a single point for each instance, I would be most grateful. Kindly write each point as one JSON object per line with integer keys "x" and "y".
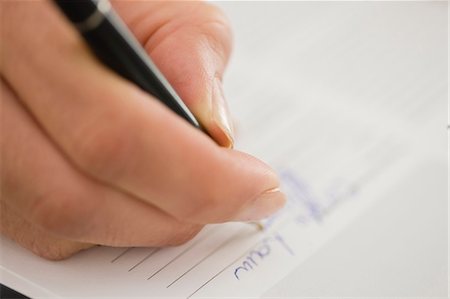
{"x": 257, "y": 224}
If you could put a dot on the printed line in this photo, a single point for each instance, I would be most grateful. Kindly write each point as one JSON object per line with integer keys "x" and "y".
{"x": 238, "y": 258}
{"x": 180, "y": 254}
{"x": 207, "y": 256}
{"x": 121, "y": 254}
{"x": 226, "y": 267}
{"x": 145, "y": 258}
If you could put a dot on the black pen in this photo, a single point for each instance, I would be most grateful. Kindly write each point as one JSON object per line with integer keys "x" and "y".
{"x": 113, "y": 43}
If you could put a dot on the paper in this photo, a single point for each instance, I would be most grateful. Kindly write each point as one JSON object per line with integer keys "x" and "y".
{"x": 320, "y": 93}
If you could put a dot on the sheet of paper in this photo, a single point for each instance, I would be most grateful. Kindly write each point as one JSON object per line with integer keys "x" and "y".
{"x": 336, "y": 101}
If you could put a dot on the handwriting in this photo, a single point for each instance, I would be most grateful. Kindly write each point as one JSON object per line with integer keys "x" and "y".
{"x": 304, "y": 204}
{"x": 257, "y": 255}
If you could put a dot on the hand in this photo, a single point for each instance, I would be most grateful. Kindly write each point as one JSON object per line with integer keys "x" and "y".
{"x": 88, "y": 158}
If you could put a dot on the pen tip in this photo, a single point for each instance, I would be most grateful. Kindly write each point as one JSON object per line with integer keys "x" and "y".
{"x": 257, "y": 224}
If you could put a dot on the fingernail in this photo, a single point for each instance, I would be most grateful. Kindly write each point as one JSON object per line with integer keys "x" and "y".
{"x": 266, "y": 204}
{"x": 220, "y": 129}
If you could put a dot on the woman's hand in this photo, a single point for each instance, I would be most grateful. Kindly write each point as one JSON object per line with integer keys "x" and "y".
{"x": 88, "y": 158}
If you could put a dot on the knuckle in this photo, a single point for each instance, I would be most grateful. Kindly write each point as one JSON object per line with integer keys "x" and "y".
{"x": 29, "y": 236}
{"x": 56, "y": 213}
{"x": 56, "y": 250}
{"x": 48, "y": 253}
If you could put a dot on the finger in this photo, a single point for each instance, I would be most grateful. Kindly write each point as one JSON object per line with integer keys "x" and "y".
{"x": 191, "y": 43}
{"x": 45, "y": 190}
{"x": 32, "y": 237}
{"x": 123, "y": 137}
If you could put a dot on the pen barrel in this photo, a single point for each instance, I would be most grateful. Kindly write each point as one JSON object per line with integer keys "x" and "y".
{"x": 128, "y": 59}
{"x": 114, "y": 45}
{"x": 77, "y": 11}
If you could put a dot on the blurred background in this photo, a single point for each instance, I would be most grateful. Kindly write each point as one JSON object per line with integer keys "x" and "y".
{"x": 351, "y": 98}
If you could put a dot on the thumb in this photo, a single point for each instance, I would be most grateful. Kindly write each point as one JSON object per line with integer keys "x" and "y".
{"x": 191, "y": 48}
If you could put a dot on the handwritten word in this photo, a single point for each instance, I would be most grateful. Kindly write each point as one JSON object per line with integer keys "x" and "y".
{"x": 304, "y": 204}
{"x": 257, "y": 255}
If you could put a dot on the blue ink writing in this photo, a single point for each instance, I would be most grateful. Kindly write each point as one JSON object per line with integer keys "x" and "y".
{"x": 257, "y": 255}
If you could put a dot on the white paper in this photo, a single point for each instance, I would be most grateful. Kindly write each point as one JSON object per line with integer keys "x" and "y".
{"x": 328, "y": 97}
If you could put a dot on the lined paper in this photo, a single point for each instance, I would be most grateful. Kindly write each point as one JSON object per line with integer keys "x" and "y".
{"x": 339, "y": 103}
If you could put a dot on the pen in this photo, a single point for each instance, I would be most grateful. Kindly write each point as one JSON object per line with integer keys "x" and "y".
{"x": 113, "y": 44}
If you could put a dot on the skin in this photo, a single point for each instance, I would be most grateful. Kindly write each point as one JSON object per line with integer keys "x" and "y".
{"x": 87, "y": 158}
